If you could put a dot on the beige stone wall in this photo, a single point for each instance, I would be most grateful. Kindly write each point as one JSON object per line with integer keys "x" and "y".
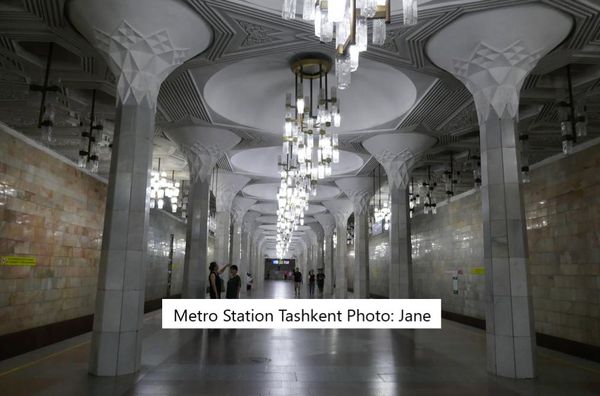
{"x": 562, "y": 205}
{"x": 563, "y": 221}
{"x": 446, "y": 244}
{"x": 53, "y": 212}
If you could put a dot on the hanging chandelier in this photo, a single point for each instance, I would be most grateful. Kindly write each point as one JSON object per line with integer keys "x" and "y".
{"x": 346, "y": 20}
{"x": 429, "y": 206}
{"x": 162, "y": 188}
{"x": 309, "y": 148}
{"x": 88, "y": 154}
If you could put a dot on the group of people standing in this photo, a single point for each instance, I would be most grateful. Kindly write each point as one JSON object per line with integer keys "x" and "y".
{"x": 234, "y": 284}
{"x": 319, "y": 279}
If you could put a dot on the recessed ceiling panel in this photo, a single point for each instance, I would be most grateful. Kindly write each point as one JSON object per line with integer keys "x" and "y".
{"x": 252, "y": 93}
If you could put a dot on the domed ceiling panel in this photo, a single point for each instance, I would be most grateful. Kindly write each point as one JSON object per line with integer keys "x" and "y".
{"x": 262, "y": 162}
{"x": 379, "y": 94}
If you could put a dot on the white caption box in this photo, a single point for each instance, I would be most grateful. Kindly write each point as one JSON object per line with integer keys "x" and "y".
{"x": 301, "y": 314}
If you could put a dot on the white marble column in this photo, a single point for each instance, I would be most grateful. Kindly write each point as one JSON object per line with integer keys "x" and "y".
{"x": 493, "y": 62}
{"x": 248, "y": 224}
{"x": 259, "y": 266}
{"x": 128, "y": 42}
{"x": 318, "y": 252}
{"x": 340, "y": 209}
{"x": 360, "y": 190}
{"x": 239, "y": 208}
{"x": 328, "y": 223}
{"x": 398, "y": 153}
{"x": 203, "y": 145}
{"x": 227, "y": 184}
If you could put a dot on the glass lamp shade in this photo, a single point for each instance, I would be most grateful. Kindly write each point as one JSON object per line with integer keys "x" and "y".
{"x": 160, "y": 203}
{"x": 289, "y": 9}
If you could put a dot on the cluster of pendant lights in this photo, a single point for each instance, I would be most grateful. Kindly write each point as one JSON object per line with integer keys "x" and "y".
{"x": 162, "y": 188}
{"x": 346, "y": 21}
{"x": 309, "y": 148}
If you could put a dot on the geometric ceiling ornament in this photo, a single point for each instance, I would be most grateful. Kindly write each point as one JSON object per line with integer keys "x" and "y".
{"x": 491, "y": 52}
{"x": 142, "y": 42}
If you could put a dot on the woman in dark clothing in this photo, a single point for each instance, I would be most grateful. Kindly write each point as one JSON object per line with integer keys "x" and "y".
{"x": 311, "y": 283}
{"x": 215, "y": 284}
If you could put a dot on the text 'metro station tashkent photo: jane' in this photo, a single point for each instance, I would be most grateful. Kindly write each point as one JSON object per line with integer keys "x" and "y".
{"x": 300, "y": 197}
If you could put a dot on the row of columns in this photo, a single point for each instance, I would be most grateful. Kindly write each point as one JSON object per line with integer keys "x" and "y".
{"x": 493, "y": 68}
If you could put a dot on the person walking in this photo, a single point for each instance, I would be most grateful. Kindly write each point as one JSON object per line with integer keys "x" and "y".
{"x": 215, "y": 283}
{"x": 234, "y": 284}
{"x": 311, "y": 283}
{"x": 297, "y": 282}
{"x": 321, "y": 281}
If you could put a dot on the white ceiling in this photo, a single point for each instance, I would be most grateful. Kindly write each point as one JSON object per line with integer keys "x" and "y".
{"x": 252, "y": 93}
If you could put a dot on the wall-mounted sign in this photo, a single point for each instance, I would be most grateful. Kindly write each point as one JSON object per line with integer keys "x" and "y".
{"x": 18, "y": 260}
{"x": 477, "y": 271}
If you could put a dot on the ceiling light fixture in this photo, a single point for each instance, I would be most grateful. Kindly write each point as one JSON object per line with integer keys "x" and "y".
{"x": 161, "y": 188}
{"x": 88, "y": 155}
{"x": 346, "y": 20}
{"x": 309, "y": 149}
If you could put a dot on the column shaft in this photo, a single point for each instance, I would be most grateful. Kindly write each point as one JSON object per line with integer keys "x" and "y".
{"x": 195, "y": 269}
{"x": 118, "y": 319}
{"x": 341, "y": 286}
{"x": 236, "y": 247}
{"x": 222, "y": 238}
{"x": 328, "y": 264}
{"x": 509, "y": 317}
{"x": 361, "y": 254}
{"x": 400, "y": 270}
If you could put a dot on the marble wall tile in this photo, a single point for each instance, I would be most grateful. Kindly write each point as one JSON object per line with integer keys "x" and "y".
{"x": 562, "y": 208}
{"x": 51, "y": 210}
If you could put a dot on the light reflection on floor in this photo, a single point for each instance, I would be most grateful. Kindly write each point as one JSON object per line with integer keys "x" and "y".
{"x": 450, "y": 361}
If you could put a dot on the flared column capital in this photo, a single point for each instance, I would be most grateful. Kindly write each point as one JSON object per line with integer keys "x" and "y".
{"x": 398, "y": 153}
{"x": 202, "y": 144}
{"x": 493, "y": 60}
{"x": 227, "y": 185}
{"x": 239, "y": 207}
{"x": 340, "y": 209}
{"x": 359, "y": 189}
{"x": 327, "y": 222}
{"x": 142, "y": 44}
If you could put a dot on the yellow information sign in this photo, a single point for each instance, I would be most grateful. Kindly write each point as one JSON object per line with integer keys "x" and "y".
{"x": 477, "y": 271}
{"x": 18, "y": 260}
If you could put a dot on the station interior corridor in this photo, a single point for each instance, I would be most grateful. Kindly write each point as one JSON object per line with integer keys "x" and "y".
{"x": 396, "y": 153}
{"x": 297, "y": 362}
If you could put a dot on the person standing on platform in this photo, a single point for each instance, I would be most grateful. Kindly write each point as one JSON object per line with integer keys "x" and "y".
{"x": 234, "y": 284}
{"x": 215, "y": 283}
{"x": 297, "y": 282}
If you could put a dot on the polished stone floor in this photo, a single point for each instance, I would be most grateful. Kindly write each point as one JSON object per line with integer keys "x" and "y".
{"x": 296, "y": 362}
